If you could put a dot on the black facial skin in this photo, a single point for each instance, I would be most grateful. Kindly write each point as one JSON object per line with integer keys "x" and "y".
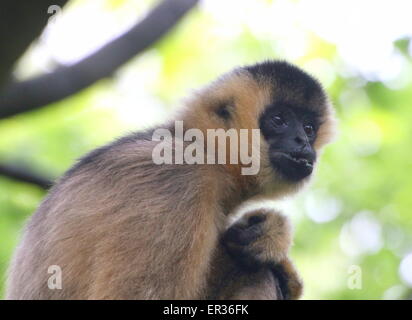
{"x": 290, "y": 132}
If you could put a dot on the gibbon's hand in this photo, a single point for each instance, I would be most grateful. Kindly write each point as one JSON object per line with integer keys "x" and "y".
{"x": 262, "y": 238}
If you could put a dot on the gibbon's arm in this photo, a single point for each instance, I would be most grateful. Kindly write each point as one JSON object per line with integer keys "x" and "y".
{"x": 228, "y": 281}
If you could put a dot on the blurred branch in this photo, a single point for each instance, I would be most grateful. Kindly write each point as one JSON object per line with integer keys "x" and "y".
{"x": 20, "y": 23}
{"x": 65, "y": 81}
{"x": 25, "y": 175}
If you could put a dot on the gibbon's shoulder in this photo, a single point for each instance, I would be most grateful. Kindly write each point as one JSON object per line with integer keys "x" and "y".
{"x": 94, "y": 157}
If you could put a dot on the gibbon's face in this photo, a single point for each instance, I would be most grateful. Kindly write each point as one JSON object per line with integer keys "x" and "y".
{"x": 289, "y": 107}
{"x": 290, "y": 132}
{"x": 296, "y": 119}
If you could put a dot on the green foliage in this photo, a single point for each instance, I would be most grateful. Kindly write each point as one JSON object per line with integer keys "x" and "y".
{"x": 356, "y": 212}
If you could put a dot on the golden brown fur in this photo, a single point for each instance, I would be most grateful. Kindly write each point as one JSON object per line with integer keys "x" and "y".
{"x": 121, "y": 227}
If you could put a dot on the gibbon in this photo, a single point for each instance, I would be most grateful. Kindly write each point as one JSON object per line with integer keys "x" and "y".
{"x": 120, "y": 226}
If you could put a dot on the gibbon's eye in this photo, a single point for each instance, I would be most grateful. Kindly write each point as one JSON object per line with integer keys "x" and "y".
{"x": 309, "y": 130}
{"x": 278, "y": 121}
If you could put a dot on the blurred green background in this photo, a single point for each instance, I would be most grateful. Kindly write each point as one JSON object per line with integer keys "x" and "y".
{"x": 353, "y": 224}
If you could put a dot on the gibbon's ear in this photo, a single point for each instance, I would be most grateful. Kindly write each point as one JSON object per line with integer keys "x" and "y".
{"x": 224, "y": 110}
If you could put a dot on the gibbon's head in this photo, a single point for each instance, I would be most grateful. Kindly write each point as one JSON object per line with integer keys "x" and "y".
{"x": 289, "y": 107}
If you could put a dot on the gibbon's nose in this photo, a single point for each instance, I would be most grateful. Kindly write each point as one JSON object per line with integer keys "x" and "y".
{"x": 302, "y": 149}
{"x": 300, "y": 140}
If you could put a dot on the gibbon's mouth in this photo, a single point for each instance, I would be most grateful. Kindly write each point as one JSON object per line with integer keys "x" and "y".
{"x": 298, "y": 159}
{"x": 293, "y": 166}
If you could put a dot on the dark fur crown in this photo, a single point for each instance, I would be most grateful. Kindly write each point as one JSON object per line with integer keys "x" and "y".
{"x": 288, "y": 79}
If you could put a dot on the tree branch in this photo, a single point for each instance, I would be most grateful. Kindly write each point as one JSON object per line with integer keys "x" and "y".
{"x": 25, "y": 175}
{"x": 20, "y": 23}
{"x": 65, "y": 81}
